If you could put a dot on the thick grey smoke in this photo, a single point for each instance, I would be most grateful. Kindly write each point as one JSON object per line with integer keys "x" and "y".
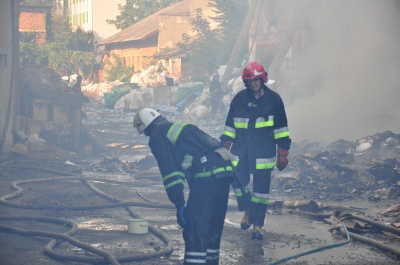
{"x": 355, "y": 51}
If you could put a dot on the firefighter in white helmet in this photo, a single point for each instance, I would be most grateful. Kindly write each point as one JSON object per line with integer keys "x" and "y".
{"x": 185, "y": 153}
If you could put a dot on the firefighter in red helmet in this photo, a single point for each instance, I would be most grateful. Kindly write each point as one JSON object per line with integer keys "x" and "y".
{"x": 256, "y": 131}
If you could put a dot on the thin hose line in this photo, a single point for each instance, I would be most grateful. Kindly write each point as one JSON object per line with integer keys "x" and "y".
{"x": 315, "y": 249}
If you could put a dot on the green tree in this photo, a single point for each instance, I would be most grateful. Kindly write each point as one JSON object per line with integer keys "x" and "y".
{"x": 211, "y": 48}
{"x": 81, "y": 40}
{"x": 230, "y": 15}
{"x": 30, "y": 54}
{"x": 118, "y": 71}
{"x": 201, "y": 49}
{"x": 136, "y": 10}
{"x": 66, "y": 51}
{"x": 61, "y": 31}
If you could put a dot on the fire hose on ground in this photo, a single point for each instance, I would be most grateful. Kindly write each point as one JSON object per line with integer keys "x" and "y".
{"x": 348, "y": 235}
{"x": 315, "y": 249}
{"x": 375, "y": 243}
{"x": 65, "y": 237}
{"x": 106, "y": 257}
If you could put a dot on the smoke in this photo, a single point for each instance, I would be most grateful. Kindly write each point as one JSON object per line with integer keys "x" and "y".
{"x": 355, "y": 53}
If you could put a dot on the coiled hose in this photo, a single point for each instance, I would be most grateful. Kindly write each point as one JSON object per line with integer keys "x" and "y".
{"x": 105, "y": 257}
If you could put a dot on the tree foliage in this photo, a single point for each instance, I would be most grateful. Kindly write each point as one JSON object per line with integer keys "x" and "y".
{"x": 61, "y": 31}
{"x": 201, "y": 49}
{"x": 118, "y": 71}
{"x": 230, "y": 16}
{"x": 66, "y": 51}
{"x": 136, "y": 10}
{"x": 211, "y": 48}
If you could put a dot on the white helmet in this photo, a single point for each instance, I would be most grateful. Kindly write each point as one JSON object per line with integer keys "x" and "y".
{"x": 143, "y": 118}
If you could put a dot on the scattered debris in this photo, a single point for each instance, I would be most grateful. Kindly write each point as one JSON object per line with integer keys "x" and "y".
{"x": 114, "y": 164}
{"x": 367, "y": 167}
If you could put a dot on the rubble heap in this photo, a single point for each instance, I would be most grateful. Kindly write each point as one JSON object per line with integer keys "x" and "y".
{"x": 367, "y": 167}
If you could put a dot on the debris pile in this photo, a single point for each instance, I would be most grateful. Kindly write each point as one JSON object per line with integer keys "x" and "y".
{"x": 154, "y": 87}
{"x": 143, "y": 164}
{"x": 114, "y": 164}
{"x": 107, "y": 164}
{"x": 368, "y": 167}
{"x": 50, "y": 116}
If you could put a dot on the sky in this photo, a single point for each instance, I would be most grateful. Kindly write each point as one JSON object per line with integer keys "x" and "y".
{"x": 356, "y": 53}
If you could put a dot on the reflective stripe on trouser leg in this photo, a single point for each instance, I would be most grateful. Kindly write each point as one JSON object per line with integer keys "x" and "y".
{"x": 259, "y": 200}
{"x": 202, "y": 231}
{"x": 195, "y": 257}
{"x": 212, "y": 256}
{"x": 243, "y": 200}
{"x": 217, "y": 221}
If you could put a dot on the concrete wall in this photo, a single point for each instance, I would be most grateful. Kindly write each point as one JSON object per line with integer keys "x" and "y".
{"x": 138, "y": 56}
{"x": 6, "y": 86}
{"x": 171, "y": 29}
{"x": 140, "y": 59}
{"x": 92, "y": 15}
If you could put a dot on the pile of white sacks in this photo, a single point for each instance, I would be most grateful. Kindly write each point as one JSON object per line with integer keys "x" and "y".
{"x": 155, "y": 76}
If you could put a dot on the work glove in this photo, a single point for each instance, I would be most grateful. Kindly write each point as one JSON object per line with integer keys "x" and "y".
{"x": 180, "y": 216}
{"x": 225, "y": 154}
{"x": 282, "y": 160}
{"x": 228, "y": 145}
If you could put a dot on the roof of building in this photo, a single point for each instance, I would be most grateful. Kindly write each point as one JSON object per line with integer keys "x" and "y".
{"x": 170, "y": 54}
{"x": 147, "y": 26}
{"x": 32, "y": 22}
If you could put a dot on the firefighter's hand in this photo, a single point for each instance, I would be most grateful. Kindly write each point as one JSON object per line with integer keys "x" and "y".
{"x": 228, "y": 145}
{"x": 225, "y": 154}
{"x": 180, "y": 216}
{"x": 282, "y": 159}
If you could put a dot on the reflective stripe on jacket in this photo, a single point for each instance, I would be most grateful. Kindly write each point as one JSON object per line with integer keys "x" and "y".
{"x": 178, "y": 147}
{"x": 257, "y": 127}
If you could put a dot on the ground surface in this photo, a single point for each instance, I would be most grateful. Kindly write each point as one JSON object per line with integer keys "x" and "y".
{"x": 92, "y": 195}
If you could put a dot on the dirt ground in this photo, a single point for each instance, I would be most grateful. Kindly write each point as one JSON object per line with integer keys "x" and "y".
{"x": 100, "y": 198}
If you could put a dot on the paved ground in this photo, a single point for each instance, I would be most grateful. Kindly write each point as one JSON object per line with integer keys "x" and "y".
{"x": 93, "y": 196}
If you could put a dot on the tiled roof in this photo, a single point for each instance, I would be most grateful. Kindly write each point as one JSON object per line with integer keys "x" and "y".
{"x": 148, "y": 26}
{"x": 32, "y": 22}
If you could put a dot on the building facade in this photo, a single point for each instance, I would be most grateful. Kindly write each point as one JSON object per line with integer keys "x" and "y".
{"x": 91, "y": 15}
{"x": 33, "y": 19}
{"x": 155, "y": 38}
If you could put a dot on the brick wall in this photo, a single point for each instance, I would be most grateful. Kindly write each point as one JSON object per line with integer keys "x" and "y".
{"x": 33, "y": 22}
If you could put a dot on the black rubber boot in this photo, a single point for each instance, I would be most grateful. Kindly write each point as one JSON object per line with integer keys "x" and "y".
{"x": 245, "y": 222}
{"x": 257, "y": 233}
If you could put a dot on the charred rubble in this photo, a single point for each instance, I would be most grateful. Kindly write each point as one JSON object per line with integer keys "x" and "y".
{"x": 344, "y": 169}
{"x": 367, "y": 168}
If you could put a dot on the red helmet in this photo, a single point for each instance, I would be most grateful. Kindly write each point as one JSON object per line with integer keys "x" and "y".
{"x": 254, "y": 70}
